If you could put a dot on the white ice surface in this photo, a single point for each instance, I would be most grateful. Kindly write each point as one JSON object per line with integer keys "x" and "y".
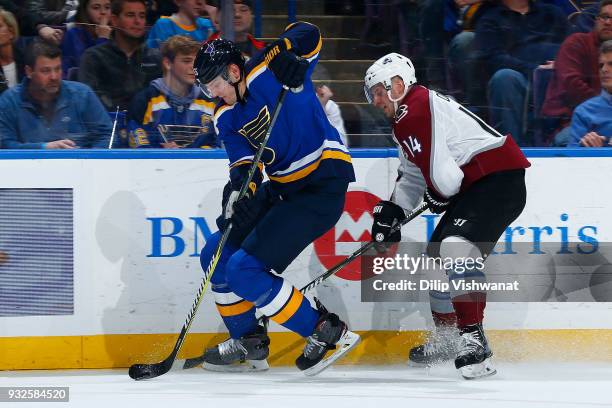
{"x": 533, "y": 385}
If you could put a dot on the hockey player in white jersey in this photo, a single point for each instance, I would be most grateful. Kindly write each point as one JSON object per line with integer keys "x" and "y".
{"x": 463, "y": 169}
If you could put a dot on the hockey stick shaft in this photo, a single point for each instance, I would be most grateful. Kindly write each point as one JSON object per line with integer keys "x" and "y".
{"x": 112, "y": 137}
{"x": 195, "y": 361}
{"x": 144, "y": 371}
{"x": 364, "y": 248}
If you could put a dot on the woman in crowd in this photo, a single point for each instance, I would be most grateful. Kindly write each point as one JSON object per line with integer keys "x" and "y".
{"x": 91, "y": 28}
{"x": 11, "y": 58}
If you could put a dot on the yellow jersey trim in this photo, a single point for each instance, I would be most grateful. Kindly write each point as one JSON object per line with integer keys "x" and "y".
{"x": 148, "y": 117}
{"x": 183, "y": 26}
{"x": 235, "y": 309}
{"x": 306, "y": 171}
{"x": 290, "y": 308}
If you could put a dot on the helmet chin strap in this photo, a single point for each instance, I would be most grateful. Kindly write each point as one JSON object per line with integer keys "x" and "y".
{"x": 236, "y": 84}
{"x": 395, "y": 101}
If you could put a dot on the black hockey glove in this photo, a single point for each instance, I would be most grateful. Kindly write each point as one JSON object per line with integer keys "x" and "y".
{"x": 289, "y": 69}
{"x": 435, "y": 202}
{"x": 386, "y": 214}
{"x": 245, "y": 212}
{"x": 252, "y": 207}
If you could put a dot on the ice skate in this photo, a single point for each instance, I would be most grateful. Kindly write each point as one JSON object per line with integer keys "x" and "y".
{"x": 474, "y": 357}
{"x": 441, "y": 346}
{"x": 249, "y": 353}
{"x": 331, "y": 333}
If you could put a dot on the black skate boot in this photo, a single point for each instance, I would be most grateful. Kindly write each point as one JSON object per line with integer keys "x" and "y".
{"x": 441, "y": 346}
{"x": 248, "y": 353}
{"x": 331, "y": 333}
{"x": 474, "y": 357}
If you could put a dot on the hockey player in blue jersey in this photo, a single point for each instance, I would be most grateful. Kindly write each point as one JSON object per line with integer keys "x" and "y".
{"x": 309, "y": 170}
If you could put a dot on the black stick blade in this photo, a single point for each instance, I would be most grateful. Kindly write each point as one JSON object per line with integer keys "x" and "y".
{"x": 147, "y": 371}
{"x": 193, "y": 362}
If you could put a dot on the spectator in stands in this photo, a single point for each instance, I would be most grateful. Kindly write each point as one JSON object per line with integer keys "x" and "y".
{"x": 20, "y": 11}
{"x": 592, "y": 122}
{"x": 332, "y": 110}
{"x": 30, "y": 23}
{"x": 44, "y": 112}
{"x": 54, "y": 12}
{"x": 243, "y": 22}
{"x": 91, "y": 29}
{"x": 158, "y": 8}
{"x": 173, "y": 100}
{"x": 576, "y": 75}
{"x": 211, "y": 8}
{"x": 513, "y": 38}
{"x": 50, "y": 16}
{"x": 11, "y": 58}
{"x": 186, "y": 21}
{"x": 121, "y": 67}
{"x": 584, "y": 21}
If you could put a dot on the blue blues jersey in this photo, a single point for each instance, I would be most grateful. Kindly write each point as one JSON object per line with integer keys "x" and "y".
{"x": 166, "y": 27}
{"x": 191, "y": 120}
{"x": 303, "y": 146}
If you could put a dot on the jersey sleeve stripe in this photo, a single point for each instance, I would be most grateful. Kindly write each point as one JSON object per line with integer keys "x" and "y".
{"x": 314, "y": 52}
{"x": 304, "y": 161}
{"x": 255, "y": 72}
{"x": 203, "y": 106}
{"x": 155, "y": 104}
{"x": 304, "y": 172}
{"x": 240, "y": 162}
{"x": 221, "y": 110}
{"x": 246, "y": 162}
{"x": 218, "y": 113}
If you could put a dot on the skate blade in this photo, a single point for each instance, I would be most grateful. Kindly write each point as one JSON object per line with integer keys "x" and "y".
{"x": 480, "y": 370}
{"x": 243, "y": 367}
{"x": 344, "y": 345}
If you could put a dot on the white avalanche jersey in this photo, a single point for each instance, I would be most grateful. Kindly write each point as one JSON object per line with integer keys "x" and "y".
{"x": 445, "y": 147}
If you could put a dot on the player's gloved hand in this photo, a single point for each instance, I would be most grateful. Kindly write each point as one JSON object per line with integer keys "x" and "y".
{"x": 386, "y": 215}
{"x": 245, "y": 212}
{"x": 436, "y": 203}
{"x": 232, "y": 206}
{"x": 289, "y": 69}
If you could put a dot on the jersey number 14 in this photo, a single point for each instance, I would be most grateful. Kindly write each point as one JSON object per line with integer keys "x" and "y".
{"x": 412, "y": 145}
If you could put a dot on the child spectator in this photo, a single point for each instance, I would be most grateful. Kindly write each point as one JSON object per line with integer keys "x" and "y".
{"x": 91, "y": 29}
{"x": 173, "y": 100}
{"x": 186, "y": 21}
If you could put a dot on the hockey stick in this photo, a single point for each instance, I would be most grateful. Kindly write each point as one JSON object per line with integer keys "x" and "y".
{"x": 145, "y": 371}
{"x": 317, "y": 281}
{"x": 196, "y": 361}
{"x": 112, "y": 138}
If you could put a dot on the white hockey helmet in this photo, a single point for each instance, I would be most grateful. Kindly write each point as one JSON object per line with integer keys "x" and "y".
{"x": 384, "y": 69}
